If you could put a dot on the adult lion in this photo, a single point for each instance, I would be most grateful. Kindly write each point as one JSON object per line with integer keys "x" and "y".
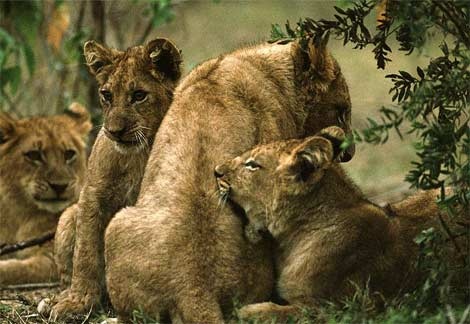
{"x": 177, "y": 251}
{"x": 42, "y": 169}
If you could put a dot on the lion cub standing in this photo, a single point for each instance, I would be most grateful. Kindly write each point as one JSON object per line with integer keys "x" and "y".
{"x": 42, "y": 169}
{"x": 328, "y": 234}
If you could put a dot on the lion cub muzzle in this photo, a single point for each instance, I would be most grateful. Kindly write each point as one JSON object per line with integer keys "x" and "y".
{"x": 222, "y": 183}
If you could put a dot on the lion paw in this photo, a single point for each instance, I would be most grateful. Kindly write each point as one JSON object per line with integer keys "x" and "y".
{"x": 73, "y": 303}
{"x": 268, "y": 312}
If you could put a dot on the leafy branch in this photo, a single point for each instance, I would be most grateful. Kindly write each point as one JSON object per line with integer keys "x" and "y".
{"x": 432, "y": 103}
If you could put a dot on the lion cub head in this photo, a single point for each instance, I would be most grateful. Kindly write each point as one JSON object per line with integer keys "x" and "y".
{"x": 267, "y": 179}
{"x": 136, "y": 88}
{"x": 43, "y": 159}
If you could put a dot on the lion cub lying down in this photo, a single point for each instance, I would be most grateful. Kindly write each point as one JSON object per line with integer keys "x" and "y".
{"x": 328, "y": 234}
{"x": 42, "y": 169}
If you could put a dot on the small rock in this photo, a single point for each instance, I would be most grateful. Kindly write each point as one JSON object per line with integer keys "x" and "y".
{"x": 44, "y": 307}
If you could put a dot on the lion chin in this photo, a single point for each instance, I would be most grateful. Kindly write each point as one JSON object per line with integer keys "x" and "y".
{"x": 53, "y": 206}
{"x": 127, "y": 149}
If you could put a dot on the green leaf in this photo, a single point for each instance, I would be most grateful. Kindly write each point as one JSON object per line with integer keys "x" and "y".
{"x": 2, "y": 58}
{"x": 420, "y": 72}
{"x": 5, "y": 38}
{"x": 29, "y": 58}
{"x": 276, "y": 32}
{"x": 12, "y": 76}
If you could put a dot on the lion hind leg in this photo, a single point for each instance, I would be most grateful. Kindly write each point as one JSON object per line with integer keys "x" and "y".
{"x": 39, "y": 268}
{"x": 200, "y": 309}
{"x": 269, "y": 312}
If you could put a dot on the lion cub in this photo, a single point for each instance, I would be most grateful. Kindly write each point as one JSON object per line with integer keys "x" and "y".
{"x": 42, "y": 169}
{"x": 136, "y": 88}
{"x": 329, "y": 236}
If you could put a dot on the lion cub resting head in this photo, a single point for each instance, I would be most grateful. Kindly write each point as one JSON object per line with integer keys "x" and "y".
{"x": 42, "y": 169}
{"x": 42, "y": 160}
{"x": 329, "y": 236}
{"x": 270, "y": 179}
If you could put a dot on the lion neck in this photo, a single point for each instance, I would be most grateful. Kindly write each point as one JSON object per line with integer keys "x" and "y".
{"x": 329, "y": 200}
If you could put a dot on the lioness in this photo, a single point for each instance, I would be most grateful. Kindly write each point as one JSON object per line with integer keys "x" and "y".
{"x": 42, "y": 168}
{"x": 328, "y": 234}
{"x": 177, "y": 251}
{"x": 136, "y": 89}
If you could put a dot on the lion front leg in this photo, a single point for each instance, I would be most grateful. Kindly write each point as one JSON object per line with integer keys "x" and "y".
{"x": 39, "y": 268}
{"x": 64, "y": 242}
{"x": 87, "y": 285}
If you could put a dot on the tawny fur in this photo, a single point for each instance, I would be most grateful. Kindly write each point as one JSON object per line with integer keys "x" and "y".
{"x": 29, "y": 205}
{"x": 117, "y": 161}
{"x": 330, "y": 238}
{"x": 177, "y": 251}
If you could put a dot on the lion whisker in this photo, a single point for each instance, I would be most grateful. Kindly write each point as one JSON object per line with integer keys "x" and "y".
{"x": 142, "y": 139}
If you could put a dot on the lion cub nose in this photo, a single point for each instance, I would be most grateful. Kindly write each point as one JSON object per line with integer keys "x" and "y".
{"x": 117, "y": 132}
{"x": 59, "y": 189}
{"x": 219, "y": 171}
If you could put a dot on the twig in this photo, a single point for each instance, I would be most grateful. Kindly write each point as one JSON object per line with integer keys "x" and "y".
{"x": 87, "y": 316}
{"x": 448, "y": 11}
{"x": 78, "y": 26}
{"x": 10, "y": 248}
{"x": 452, "y": 237}
{"x": 19, "y": 298}
{"x": 14, "y": 309}
{"x": 31, "y": 286}
{"x": 146, "y": 32}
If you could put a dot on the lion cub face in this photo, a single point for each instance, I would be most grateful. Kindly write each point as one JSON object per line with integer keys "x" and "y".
{"x": 264, "y": 180}
{"x": 135, "y": 88}
{"x": 42, "y": 159}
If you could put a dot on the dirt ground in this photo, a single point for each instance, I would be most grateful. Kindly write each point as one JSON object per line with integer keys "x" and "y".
{"x": 20, "y": 306}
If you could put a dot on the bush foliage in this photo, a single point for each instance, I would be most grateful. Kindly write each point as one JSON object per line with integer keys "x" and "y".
{"x": 431, "y": 102}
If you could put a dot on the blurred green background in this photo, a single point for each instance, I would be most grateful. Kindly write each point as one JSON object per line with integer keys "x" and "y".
{"x": 56, "y": 30}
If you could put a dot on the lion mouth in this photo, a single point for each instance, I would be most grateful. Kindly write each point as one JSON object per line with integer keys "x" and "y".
{"x": 52, "y": 200}
{"x": 224, "y": 190}
{"x": 121, "y": 140}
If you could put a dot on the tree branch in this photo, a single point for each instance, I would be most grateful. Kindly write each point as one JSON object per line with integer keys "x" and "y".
{"x": 31, "y": 286}
{"x": 78, "y": 26}
{"x": 10, "y": 248}
{"x": 448, "y": 11}
{"x": 146, "y": 32}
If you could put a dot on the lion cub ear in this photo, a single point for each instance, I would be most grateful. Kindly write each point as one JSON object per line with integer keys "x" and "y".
{"x": 97, "y": 58}
{"x": 165, "y": 58}
{"x": 316, "y": 153}
{"x": 7, "y": 127}
{"x": 317, "y": 63}
{"x": 81, "y": 118}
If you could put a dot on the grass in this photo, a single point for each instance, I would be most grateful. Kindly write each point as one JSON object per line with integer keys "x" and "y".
{"x": 360, "y": 308}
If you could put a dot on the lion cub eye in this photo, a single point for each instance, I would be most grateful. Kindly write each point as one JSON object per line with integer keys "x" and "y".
{"x": 106, "y": 95}
{"x": 70, "y": 156}
{"x": 34, "y": 156}
{"x": 139, "y": 96}
{"x": 251, "y": 165}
